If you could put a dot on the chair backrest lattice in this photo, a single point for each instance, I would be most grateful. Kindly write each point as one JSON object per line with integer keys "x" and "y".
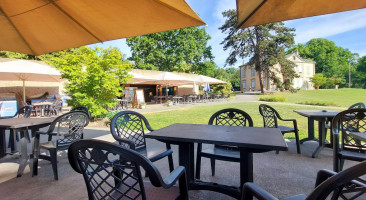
{"x": 129, "y": 125}
{"x": 231, "y": 117}
{"x": 269, "y": 115}
{"x": 357, "y": 105}
{"x": 353, "y": 120}
{"x": 111, "y": 171}
{"x": 69, "y": 128}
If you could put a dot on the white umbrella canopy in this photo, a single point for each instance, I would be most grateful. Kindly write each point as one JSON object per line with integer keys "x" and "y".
{"x": 138, "y": 78}
{"x": 22, "y": 70}
{"x": 168, "y": 79}
{"x": 201, "y": 79}
{"x": 37, "y": 27}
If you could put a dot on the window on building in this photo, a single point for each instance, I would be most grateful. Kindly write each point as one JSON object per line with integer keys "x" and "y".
{"x": 244, "y": 85}
{"x": 309, "y": 70}
{"x": 243, "y": 73}
{"x": 264, "y": 82}
{"x": 300, "y": 68}
{"x": 253, "y": 72}
{"x": 253, "y": 83}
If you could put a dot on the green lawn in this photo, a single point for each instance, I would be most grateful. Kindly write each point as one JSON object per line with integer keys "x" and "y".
{"x": 201, "y": 115}
{"x": 340, "y": 97}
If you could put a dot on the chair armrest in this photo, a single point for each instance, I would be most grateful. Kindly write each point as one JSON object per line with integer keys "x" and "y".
{"x": 288, "y": 120}
{"x": 41, "y": 132}
{"x": 161, "y": 155}
{"x": 253, "y": 190}
{"x": 323, "y": 175}
{"x": 173, "y": 177}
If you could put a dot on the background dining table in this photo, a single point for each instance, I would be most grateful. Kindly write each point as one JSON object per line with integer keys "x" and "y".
{"x": 322, "y": 116}
{"x": 22, "y": 125}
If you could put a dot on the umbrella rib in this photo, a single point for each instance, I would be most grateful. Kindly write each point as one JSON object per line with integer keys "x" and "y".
{"x": 16, "y": 29}
{"x": 251, "y": 14}
{"x": 183, "y": 13}
{"x": 73, "y": 19}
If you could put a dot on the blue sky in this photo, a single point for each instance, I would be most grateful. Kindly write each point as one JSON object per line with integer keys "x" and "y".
{"x": 346, "y": 29}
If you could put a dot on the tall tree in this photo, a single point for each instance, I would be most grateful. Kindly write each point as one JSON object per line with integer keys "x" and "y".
{"x": 94, "y": 76}
{"x": 360, "y": 76}
{"x": 331, "y": 60}
{"x": 181, "y": 50}
{"x": 264, "y": 44}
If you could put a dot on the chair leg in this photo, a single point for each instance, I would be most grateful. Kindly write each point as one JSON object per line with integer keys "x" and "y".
{"x": 183, "y": 187}
{"x": 53, "y": 155}
{"x": 35, "y": 155}
{"x": 297, "y": 142}
{"x": 341, "y": 163}
{"x": 170, "y": 159}
{"x": 213, "y": 166}
{"x": 198, "y": 161}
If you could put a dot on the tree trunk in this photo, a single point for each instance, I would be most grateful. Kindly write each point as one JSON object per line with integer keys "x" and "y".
{"x": 261, "y": 82}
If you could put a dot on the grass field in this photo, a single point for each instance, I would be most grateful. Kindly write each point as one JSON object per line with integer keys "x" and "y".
{"x": 201, "y": 115}
{"x": 340, "y": 97}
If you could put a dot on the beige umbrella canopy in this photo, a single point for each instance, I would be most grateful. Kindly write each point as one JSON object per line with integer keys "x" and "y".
{"x": 23, "y": 70}
{"x": 256, "y": 12}
{"x": 168, "y": 79}
{"x": 37, "y": 27}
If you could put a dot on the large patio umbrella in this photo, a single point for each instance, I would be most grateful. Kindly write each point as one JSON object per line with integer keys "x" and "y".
{"x": 37, "y": 27}
{"x": 256, "y": 12}
{"x": 23, "y": 70}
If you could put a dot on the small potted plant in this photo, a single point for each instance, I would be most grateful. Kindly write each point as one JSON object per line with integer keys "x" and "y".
{"x": 142, "y": 105}
{"x": 169, "y": 102}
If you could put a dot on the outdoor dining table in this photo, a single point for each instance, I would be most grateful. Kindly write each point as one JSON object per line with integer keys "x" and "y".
{"x": 321, "y": 116}
{"x": 22, "y": 125}
{"x": 176, "y": 99}
{"x": 249, "y": 140}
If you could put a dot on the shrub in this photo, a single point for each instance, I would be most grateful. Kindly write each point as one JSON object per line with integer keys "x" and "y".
{"x": 318, "y": 103}
{"x": 273, "y": 99}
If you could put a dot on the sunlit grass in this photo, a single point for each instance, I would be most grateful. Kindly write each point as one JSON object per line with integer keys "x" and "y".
{"x": 201, "y": 115}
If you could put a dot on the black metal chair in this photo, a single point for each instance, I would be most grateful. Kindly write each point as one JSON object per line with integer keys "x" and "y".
{"x": 328, "y": 185}
{"x": 83, "y": 109}
{"x": 54, "y": 108}
{"x": 270, "y": 120}
{"x": 113, "y": 172}
{"x": 345, "y": 146}
{"x": 127, "y": 127}
{"x": 67, "y": 129}
{"x": 225, "y": 117}
{"x": 329, "y": 126}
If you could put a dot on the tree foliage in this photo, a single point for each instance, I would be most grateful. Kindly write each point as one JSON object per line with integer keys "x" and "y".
{"x": 318, "y": 80}
{"x": 264, "y": 44}
{"x": 360, "y": 76}
{"x": 182, "y": 50}
{"x": 331, "y": 60}
{"x": 94, "y": 76}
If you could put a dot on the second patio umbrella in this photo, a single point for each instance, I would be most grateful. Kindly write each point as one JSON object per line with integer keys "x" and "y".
{"x": 22, "y": 70}
{"x": 37, "y": 27}
{"x": 256, "y": 12}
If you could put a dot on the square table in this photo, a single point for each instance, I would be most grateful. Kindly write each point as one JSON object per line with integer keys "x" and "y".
{"x": 22, "y": 125}
{"x": 249, "y": 140}
{"x": 321, "y": 116}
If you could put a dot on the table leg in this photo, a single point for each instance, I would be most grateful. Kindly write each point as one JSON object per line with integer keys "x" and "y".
{"x": 246, "y": 168}
{"x": 24, "y": 157}
{"x": 321, "y": 130}
{"x": 186, "y": 159}
{"x": 2, "y": 143}
{"x": 12, "y": 141}
{"x": 310, "y": 131}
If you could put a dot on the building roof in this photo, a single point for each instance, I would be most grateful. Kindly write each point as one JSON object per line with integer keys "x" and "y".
{"x": 298, "y": 56}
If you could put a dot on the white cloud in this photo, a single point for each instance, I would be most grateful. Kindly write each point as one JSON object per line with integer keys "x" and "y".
{"x": 327, "y": 25}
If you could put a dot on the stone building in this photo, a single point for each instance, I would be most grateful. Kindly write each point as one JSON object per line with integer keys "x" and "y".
{"x": 249, "y": 77}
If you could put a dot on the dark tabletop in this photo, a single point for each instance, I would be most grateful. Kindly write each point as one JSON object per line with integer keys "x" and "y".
{"x": 317, "y": 113}
{"x": 24, "y": 122}
{"x": 249, "y": 137}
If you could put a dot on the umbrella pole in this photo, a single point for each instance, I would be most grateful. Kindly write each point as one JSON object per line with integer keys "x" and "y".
{"x": 24, "y": 90}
